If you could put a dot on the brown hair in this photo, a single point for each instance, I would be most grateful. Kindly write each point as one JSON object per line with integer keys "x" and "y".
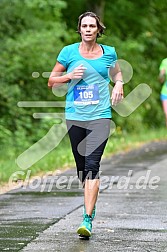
{"x": 100, "y": 25}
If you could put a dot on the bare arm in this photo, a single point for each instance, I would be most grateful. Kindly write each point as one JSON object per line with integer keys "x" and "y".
{"x": 57, "y": 78}
{"x": 117, "y": 92}
{"x": 161, "y": 76}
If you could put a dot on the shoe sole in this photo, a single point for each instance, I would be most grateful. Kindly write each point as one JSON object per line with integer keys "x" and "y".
{"x": 82, "y": 231}
{"x": 82, "y": 237}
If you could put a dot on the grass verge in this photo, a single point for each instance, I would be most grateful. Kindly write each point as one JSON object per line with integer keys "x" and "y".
{"x": 61, "y": 158}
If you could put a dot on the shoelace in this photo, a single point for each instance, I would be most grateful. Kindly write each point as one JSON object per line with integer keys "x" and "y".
{"x": 87, "y": 218}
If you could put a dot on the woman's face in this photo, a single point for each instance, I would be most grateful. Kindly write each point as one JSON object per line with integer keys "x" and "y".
{"x": 88, "y": 29}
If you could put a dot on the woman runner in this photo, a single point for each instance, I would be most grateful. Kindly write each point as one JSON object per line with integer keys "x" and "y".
{"x": 88, "y": 66}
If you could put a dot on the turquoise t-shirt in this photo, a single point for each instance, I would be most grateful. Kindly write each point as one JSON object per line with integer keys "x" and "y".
{"x": 88, "y": 98}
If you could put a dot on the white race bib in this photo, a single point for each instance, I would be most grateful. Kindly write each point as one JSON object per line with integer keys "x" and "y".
{"x": 86, "y": 95}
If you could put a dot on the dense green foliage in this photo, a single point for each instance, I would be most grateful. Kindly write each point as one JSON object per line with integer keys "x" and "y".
{"x": 32, "y": 34}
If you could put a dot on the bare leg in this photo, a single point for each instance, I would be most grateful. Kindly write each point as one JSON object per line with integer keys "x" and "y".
{"x": 164, "y": 105}
{"x": 166, "y": 119}
{"x": 91, "y": 189}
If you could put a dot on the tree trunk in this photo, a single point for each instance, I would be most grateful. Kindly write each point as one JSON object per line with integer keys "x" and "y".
{"x": 97, "y": 6}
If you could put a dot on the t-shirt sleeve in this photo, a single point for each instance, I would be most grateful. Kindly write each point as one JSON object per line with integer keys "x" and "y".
{"x": 115, "y": 55}
{"x": 163, "y": 65}
{"x": 63, "y": 57}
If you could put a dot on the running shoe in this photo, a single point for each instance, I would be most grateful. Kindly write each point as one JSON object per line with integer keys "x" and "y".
{"x": 93, "y": 212}
{"x": 85, "y": 228}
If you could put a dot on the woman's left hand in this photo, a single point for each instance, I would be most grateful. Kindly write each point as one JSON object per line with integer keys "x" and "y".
{"x": 117, "y": 93}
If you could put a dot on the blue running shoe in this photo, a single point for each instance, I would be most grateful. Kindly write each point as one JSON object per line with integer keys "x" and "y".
{"x": 85, "y": 228}
{"x": 93, "y": 212}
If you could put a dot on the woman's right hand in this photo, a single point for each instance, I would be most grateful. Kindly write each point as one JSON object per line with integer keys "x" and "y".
{"x": 77, "y": 73}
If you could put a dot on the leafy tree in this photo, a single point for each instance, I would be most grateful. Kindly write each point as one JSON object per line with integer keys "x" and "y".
{"x": 32, "y": 33}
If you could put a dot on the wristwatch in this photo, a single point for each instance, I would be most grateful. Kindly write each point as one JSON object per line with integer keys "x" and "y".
{"x": 120, "y": 81}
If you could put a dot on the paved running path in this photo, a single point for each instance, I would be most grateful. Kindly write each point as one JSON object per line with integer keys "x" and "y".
{"x": 131, "y": 212}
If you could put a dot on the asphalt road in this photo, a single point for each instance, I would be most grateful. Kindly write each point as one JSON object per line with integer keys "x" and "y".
{"x": 131, "y": 208}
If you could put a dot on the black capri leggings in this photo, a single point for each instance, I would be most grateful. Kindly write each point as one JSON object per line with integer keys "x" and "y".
{"x": 88, "y": 140}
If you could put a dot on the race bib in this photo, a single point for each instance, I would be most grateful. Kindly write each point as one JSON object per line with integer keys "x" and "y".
{"x": 86, "y": 95}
